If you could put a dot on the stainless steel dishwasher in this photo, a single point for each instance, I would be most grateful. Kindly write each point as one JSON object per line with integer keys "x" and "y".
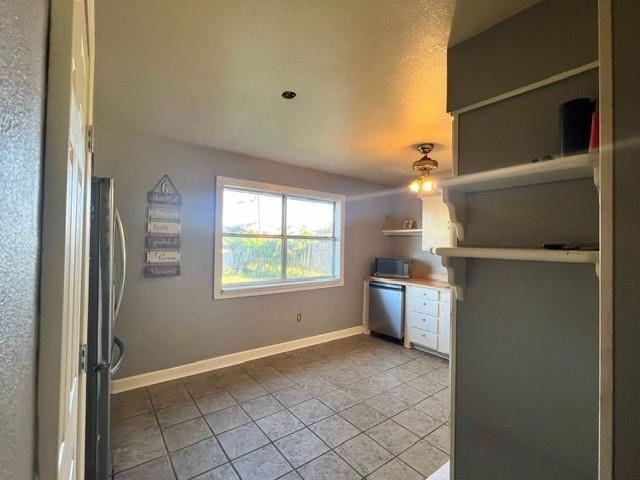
{"x": 386, "y": 309}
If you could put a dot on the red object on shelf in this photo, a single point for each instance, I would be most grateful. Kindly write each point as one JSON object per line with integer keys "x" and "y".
{"x": 594, "y": 139}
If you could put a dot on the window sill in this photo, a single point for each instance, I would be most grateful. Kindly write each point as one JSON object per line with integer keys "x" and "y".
{"x": 256, "y": 290}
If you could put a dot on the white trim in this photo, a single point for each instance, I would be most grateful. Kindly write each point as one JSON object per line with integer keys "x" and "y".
{"x": 202, "y": 366}
{"x": 442, "y": 473}
{"x": 605, "y": 192}
{"x": 283, "y": 287}
{"x": 528, "y": 88}
{"x": 365, "y": 308}
{"x": 279, "y": 189}
{"x": 557, "y": 170}
{"x": 288, "y": 287}
{"x": 453, "y": 242}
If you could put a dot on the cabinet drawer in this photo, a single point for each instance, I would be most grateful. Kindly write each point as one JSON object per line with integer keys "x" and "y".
{"x": 424, "y": 338}
{"x": 422, "y": 321}
{"x": 422, "y": 305}
{"x": 424, "y": 293}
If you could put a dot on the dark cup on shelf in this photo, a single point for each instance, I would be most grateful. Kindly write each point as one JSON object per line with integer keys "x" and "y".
{"x": 575, "y": 126}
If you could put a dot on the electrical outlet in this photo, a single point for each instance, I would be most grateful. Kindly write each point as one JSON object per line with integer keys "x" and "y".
{"x": 299, "y": 317}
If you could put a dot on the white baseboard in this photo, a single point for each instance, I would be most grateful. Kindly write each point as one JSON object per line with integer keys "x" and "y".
{"x": 151, "y": 378}
{"x": 441, "y": 474}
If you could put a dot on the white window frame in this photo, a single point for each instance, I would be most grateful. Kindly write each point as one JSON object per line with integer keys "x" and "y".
{"x": 254, "y": 289}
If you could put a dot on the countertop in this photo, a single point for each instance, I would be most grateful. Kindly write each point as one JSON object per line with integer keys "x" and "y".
{"x": 412, "y": 282}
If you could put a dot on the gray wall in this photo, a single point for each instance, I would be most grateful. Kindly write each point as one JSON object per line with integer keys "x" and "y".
{"x": 526, "y": 372}
{"x": 172, "y": 321}
{"x": 557, "y": 35}
{"x": 626, "y": 17}
{"x": 23, "y": 46}
{"x": 527, "y": 337}
{"x": 404, "y": 205}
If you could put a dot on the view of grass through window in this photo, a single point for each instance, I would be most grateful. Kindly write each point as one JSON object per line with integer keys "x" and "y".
{"x": 270, "y": 238}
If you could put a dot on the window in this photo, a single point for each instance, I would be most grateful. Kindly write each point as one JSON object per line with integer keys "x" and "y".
{"x": 273, "y": 239}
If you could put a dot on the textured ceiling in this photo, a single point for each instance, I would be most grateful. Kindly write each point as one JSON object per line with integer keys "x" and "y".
{"x": 370, "y": 78}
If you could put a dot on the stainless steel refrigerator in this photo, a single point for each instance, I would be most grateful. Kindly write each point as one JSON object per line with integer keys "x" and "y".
{"x": 107, "y": 271}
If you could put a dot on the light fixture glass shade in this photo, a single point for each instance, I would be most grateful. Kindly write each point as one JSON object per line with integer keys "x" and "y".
{"x": 423, "y": 184}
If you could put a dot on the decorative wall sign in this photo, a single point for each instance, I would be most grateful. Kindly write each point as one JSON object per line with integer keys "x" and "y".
{"x": 164, "y": 228}
{"x": 163, "y": 256}
{"x": 162, "y": 241}
{"x": 162, "y": 270}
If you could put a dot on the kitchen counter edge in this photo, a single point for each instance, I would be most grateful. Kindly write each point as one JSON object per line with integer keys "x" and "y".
{"x": 411, "y": 282}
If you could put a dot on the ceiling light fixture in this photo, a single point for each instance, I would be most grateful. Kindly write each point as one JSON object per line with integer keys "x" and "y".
{"x": 425, "y": 182}
{"x": 289, "y": 94}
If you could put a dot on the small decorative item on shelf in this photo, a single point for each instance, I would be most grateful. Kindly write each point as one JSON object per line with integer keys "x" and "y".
{"x": 569, "y": 246}
{"x": 409, "y": 225}
{"x": 575, "y": 126}
{"x": 544, "y": 158}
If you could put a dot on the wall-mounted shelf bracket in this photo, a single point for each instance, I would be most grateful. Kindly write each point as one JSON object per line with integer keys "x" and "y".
{"x": 454, "y": 259}
{"x": 456, "y": 203}
{"x": 455, "y": 189}
{"x": 456, "y": 274}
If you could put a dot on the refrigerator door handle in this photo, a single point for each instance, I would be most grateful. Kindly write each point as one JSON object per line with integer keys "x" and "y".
{"x": 123, "y": 250}
{"x": 115, "y": 365}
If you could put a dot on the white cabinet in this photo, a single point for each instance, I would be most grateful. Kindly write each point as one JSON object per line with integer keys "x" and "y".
{"x": 423, "y": 339}
{"x": 428, "y": 318}
{"x": 435, "y": 222}
{"x": 428, "y": 307}
{"x": 422, "y": 321}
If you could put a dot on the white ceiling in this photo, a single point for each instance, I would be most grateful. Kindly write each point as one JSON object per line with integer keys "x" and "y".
{"x": 370, "y": 76}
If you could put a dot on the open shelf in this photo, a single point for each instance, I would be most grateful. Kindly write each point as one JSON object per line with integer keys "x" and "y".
{"x": 403, "y": 232}
{"x": 523, "y": 254}
{"x": 548, "y": 171}
{"x": 454, "y": 259}
{"x": 454, "y": 189}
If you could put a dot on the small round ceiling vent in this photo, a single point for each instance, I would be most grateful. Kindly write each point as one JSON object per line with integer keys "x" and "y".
{"x": 289, "y": 94}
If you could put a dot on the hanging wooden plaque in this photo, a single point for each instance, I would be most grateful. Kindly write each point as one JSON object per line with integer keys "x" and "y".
{"x": 164, "y": 228}
{"x": 163, "y": 213}
{"x": 163, "y": 256}
{"x": 164, "y": 193}
{"x": 163, "y": 241}
{"x": 162, "y": 270}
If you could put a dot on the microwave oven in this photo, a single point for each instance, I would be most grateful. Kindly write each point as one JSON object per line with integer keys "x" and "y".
{"x": 392, "y": 267}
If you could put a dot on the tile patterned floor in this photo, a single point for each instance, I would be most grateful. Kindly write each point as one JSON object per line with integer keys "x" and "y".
{"x": 354, "y": 408}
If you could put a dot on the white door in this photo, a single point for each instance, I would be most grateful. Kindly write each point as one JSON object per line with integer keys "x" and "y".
{"x": 72, "y": 416}
{"x": 64, "y": 298}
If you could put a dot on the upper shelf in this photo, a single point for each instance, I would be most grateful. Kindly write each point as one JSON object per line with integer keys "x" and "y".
{"x": 548, "y": 171}
{"x": 454, "y": 259}
{"x": 454, "y": 189}
{"x": 403, "y": 232}
{"x": 524, "y": 254}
